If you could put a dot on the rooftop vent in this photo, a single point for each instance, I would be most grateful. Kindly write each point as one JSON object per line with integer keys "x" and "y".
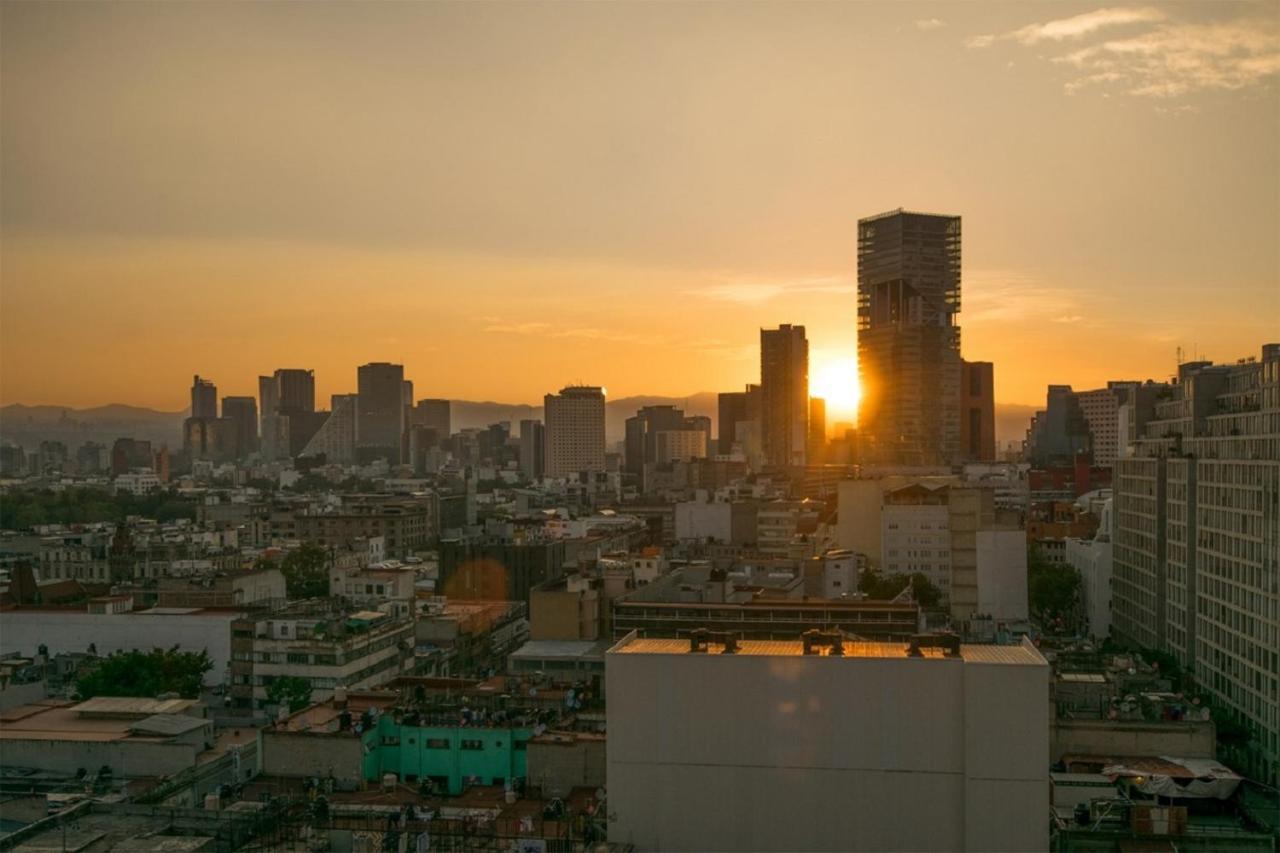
{"x": 950, "y": 643}
{"x": 701, "y": 638}
{"x": 814, "y": 639}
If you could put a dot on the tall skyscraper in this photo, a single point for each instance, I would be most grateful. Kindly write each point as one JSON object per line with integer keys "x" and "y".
{"x": 1196, "y": 541}
{"x": 908, "y": 339}
{"x": 532, "y": 449}
{"x": 204, "y": 398}
{"x": 784, "y": 395}
{"x": 977, "y": 411}
{"x": 434, "y": 414}
{"x": 335, "y": 439}
{"x": 731, "y": 409}
{"x": 817, "y": 430}
{"x": 268, "y": 401}
{"x": 295, "y": 390}
{"x": 574, "y": 430}
{"x": 242, "y": 412}
{"x": 380, "y": 409}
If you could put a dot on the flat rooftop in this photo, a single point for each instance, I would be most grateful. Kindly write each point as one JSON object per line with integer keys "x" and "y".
{"x": 1024, "y": 655}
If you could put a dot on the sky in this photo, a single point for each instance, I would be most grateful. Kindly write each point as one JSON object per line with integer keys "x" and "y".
{"x": 508, "y": 198}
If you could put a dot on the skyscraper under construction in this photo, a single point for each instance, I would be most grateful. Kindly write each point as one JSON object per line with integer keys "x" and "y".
{"x": 908, "y": 340}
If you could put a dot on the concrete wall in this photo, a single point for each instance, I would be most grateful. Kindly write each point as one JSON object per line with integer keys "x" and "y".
{"x": 1002, "y": 573}
{"x": 559, "y": 766}
{"x": 294, "y": 754}
{"x": 858, "y": 524}
{"x": 1114, "y": 737}
{"x": 126, "y": 758}
{"x": 819, "y": 753}
{"x": 700, "y": 521}
{"x": 23, "y": 631}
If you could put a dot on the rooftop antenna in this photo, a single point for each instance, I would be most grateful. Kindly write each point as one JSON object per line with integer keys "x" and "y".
{"x": 1179, "y": 354}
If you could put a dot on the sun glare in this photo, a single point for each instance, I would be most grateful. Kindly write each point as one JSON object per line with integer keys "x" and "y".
{"x": 836, "y": 381}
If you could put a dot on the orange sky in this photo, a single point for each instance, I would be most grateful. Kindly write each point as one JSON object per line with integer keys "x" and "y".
{"x": 508, "y": 198}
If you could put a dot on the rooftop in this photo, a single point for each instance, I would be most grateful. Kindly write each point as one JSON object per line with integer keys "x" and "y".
{"x": 1023, "y": 655}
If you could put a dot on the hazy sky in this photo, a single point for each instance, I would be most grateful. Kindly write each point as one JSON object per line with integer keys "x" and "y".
{"x": 508, "y": 198}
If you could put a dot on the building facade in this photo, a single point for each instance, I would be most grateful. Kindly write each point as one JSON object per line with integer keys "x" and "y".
{"x": 380, "y": 410}
{"x": 574, "y": 431}
{"x": 1196, "y": 556}
{"x": 826, "y": 744}
{"x": 908, "y": 339}
{"x": 784, "y": 395}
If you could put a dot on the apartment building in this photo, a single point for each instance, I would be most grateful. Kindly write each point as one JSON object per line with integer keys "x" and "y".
{"x": 1196, "y": 545}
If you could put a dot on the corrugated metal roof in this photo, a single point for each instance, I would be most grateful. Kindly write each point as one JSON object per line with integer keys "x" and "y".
{"x": 1018, "y": 655}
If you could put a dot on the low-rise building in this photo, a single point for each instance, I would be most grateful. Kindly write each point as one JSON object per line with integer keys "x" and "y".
{"x": 827, "y": 744}
{"x": 329, "y": 648}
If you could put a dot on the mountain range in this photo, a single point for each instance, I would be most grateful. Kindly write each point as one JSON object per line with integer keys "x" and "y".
{"x": 29, "y": 425}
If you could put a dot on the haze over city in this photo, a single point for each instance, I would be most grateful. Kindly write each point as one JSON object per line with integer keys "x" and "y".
{"x": 636, "y": 427}
{"x": 509, "y": 198}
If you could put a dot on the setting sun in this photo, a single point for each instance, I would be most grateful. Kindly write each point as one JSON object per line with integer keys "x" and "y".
{"x": 836, "y": 381}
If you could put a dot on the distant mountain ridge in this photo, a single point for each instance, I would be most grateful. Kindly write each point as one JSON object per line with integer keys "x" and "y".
{"x": 29, "y": 425}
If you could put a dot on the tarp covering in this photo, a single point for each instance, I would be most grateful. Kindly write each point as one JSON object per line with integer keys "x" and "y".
{"x": 1184, "y": 778}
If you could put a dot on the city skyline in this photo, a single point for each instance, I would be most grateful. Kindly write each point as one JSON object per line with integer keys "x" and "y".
{"x": 620, "y": 218}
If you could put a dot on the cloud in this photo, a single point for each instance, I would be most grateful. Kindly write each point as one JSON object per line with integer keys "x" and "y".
{"x": 757, "y": 292}
{"x": 1082, "y": 25}
{"x": 1019, "y": 296}
{"x": 930, "y": 24}
{"x": 517, "y": 328}
{"x": 1074, "y": 27}
{"x": 1179, "y": 59}
{"x": 1164, "y": 58}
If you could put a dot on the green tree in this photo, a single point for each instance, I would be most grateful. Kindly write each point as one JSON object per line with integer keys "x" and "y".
{"x": 1052, "y": 589}
{"x": 289, "y": 690}
{"x": 150, "y": 673}
{"x": 306, "y": 572}
{"x": 882, "y": 587}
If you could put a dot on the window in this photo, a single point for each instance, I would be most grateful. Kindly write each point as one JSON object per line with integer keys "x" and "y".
{"x": 295, "y": 657}
{"x": 437, "y": 743}
{"x": 472, "y": 744}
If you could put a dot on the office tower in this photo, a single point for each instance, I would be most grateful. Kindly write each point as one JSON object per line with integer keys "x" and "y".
{"x": 1059, "y": 433}
{"x": 532, "y": 449}
{"x": 268, "y": 400}
{"x": 380, "y": 410}
{"x": 243, "y": 414}
{"x": 784, "y": 395}
{"x": 204, "y": 398}
{"x": 977, "y": 411}
{"x": 434, "y": 414}
{"x": 1101, "y": 410}
{"x": 817, "y": 430}
{"x": 574, "y": 430}
{"x": 908, "y": 340}
{"x": 638, "y": 446}
{"x": 1196, "y": 541}
{"x": 295, "y": 390}
{"x": 731, "y": 409}
{"x": 335, "y": 439}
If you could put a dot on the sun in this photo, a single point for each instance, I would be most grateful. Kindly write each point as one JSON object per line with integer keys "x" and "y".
{"x": 836, "y": 381}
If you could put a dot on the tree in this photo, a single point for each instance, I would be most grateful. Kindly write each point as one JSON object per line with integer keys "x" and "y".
{"x": 289, "y": 690}
{"x": 150, "y": 673}
{"x": 885, "y": 587}
{"x": 306, "y": 572}
{"x": 1052, "y": 589}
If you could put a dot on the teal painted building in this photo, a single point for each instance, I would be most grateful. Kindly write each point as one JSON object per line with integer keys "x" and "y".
{"x": 448, "y": 755}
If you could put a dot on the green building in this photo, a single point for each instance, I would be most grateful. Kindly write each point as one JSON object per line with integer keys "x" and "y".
{"x": 447, "y": 755}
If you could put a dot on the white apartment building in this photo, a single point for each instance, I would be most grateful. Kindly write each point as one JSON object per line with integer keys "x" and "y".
{"x": 574, "y": 431}
{"x": 1101, "y": 409}
{"x": 784, "y": 745}
{"x": 329, "y": 649}
{"x": 916, "y": 535}
{"x": 1092, "y": 559}
{"x": 679, "y": 445}
{"x": 139, "y": 482}
{"x": 1196, "y": 565}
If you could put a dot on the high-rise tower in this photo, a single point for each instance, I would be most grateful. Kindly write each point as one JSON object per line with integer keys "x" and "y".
{"x": 908, "y": 339}
{"x": 784, "y": 395}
